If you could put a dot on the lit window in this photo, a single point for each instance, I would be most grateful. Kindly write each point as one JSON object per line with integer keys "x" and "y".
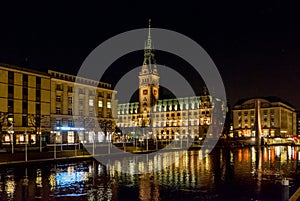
{"x": 108, "y": 105}
{"x": 58, "y": 87}
{"x": 100, "y": 94}
{"x": 58, "y": 110}
{"x": 91, "y": 93}
{"x": 91, "y": 102}
{"x": 58, "y": 98}
{"x": 81, "y": 91}
{"x": 70, "y": 123}
{"x": 100, "y": 103}
{"x": 58, "y": 122}
{"x": 70, "y": 100}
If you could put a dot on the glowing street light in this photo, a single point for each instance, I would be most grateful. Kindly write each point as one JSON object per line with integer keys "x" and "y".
{"x": 54, "y": 134}
{"x": 11, "y": 131}
{"x": 39, "y": 132}
{"x": 26, "y": 141}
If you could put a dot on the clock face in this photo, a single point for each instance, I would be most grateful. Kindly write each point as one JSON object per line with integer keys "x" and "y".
{"x": 145, "y": 92}
{"x": 155, "y": 92}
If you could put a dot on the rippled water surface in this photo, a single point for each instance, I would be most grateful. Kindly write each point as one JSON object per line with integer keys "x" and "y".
{"x": 236, "y": 174}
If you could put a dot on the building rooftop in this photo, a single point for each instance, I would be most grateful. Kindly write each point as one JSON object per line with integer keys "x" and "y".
{"x": 23, "y": 69}
{"x": 268, "y": 98}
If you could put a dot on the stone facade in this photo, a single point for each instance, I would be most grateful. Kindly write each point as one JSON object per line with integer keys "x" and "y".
{"x": 53, "y": 104}
{"x": 156, "y": 118}
{"x": 278, "y": 118}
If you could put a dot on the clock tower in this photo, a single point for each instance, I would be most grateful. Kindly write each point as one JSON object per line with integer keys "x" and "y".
{"x": 148, "y": 78}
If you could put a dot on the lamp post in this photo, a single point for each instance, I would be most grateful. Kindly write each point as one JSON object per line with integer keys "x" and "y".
{"x": 40, "y": 137}
{"x": 11, "y": 133}
{"x": 54, "y": 145}
{"x": 107, "y": 139}
{"x": 3, "y": 118}
{"x": 93, "y": 143}
{"x": 75, "y": 147}
{"x": 10, "y": 130}
{"x": 26, "y": 144}
{"x": 54, "y": 134}
{"x": 61, "y": 141}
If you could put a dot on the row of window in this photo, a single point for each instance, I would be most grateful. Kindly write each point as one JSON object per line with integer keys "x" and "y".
{"x": 252, "y": 118}
{"x": 81, "y": 112}
{"x": 265, "y": 112}
{"x": 81, "y": 102}
{"x": 170, "y": 123}
{"x": 25, "y": 80}
{"x": 272, "y": 124}
{"x": 59, "y": 123}
{"x": 10, "y": 105}
{"x": 160, "y": 108}
{"x": 172, "y": 115}
{"x": 24, "y": 93}
{"x": 182, "y": 132}
{"x": 82, "y": 91}
{"x": 134, "y": 111}
{"x": 176, "y": 107}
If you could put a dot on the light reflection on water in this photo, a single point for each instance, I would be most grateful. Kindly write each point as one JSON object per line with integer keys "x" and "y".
{"x": 237, "y": 174}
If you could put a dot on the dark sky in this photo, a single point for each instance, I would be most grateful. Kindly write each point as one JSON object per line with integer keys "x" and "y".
{"x": 254, "y": 44}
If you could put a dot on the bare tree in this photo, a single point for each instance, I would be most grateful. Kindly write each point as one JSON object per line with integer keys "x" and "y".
{"x": 3, "y": 121}
{"x": 35, "y": 121}
{"x": 106, "y": 126}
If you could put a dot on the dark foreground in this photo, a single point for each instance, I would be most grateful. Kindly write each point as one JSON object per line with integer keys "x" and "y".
{"x": 225, "y": 174}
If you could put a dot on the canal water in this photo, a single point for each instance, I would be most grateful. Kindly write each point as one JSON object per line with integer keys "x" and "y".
{"x": 225, "y": 174}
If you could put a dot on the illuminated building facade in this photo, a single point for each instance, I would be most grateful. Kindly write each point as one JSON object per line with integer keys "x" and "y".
{"x": 57, "y": 106}
{"x": 298, "y": 123}
{"x": 177, "y": 118}
{"x": 25, "y": 103}
{"x": 278, "y": 118}
{"x": 77, "y": 106}
{"x": 170, "y": 118}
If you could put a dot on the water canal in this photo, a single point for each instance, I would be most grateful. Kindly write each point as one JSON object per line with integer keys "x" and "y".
{"x": 225, "y": 174}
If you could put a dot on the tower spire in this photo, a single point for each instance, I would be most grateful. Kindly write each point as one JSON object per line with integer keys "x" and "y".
{"x": 149, "y": 35}
{"x": 148, "y": 77}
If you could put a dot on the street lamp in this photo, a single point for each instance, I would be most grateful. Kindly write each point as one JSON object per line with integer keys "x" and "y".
{"x": 61, "y": 140}
{"x": 39, "y": 132}
{"x": 93, "y": 143}
{"x": 54, "y": 134}
{"x": 26, "y": 140}
{"x": 156, "y": 141}
{"x": 3, "y": 117}
{"x": 11, "y": 132}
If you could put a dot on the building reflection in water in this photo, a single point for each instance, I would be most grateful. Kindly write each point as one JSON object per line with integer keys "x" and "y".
{"x": 10, "y": 186}
{"x": 242, "y": 172}
{"x": 69, "y": 180}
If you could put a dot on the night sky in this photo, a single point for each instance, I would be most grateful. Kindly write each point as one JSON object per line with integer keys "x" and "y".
{"x": 255, "y": 45}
